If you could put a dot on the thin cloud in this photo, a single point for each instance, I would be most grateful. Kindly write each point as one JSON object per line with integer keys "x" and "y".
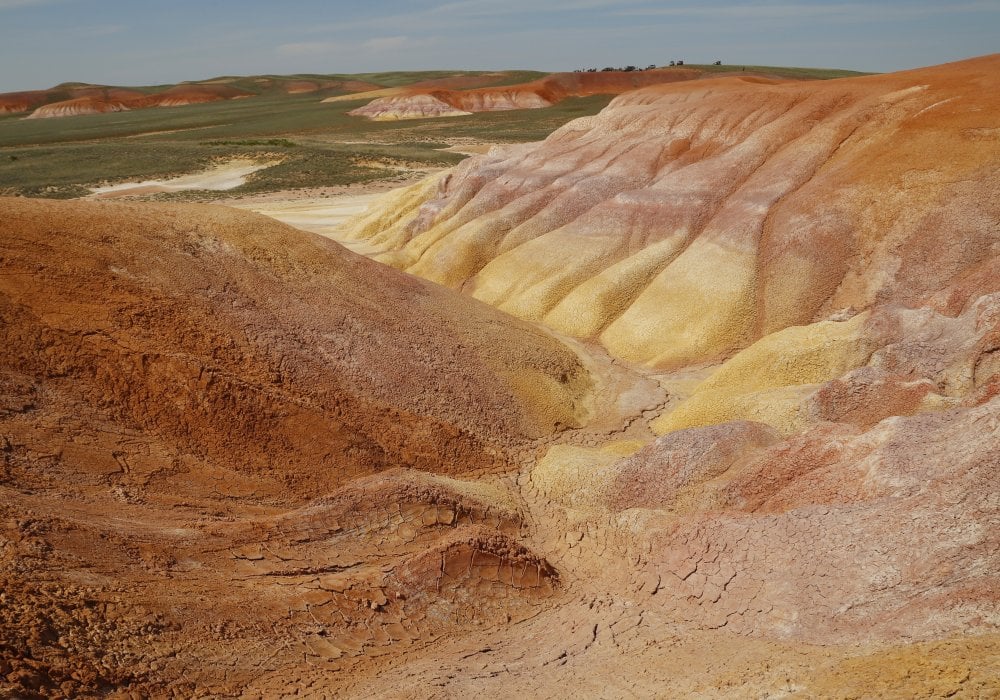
{"x": 491, "y": 8}
{"x": 482, "y": 34}
{"x": 13, "y": 4}
{"x": 387, "y": 43}
{"x": 848, "y": 11}
{"x": 100, "y": 30}
{"x": 380, "y": 44}
{"x": 307, "y": 48}
{"x": 397, "y": 43}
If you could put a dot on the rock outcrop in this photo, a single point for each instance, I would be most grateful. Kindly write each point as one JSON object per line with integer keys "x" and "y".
{"x": 420, "y": 106}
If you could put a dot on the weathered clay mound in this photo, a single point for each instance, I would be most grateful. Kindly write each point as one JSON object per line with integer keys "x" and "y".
{"x": 686, "y": 221}
{"x": 849, "y": 531}
{"x": 73, "y": 99}
{"x": 181, "y": 95}
{"x": 840, "y": 536}
{"x": 408, "y": 107}
{"x": 208, "y": 316}
{"x": 78, "y": 106}
{"x": 16, "y": 102}
{"x": 92, "y": 101}
{"x": 221, "y": 381}
{"x": 816, "y": 289}
{"x": 414, "y": 101}
{"x": 54, "y": 103}
{"x": 422, "y": 87}
{"x": 499, "y": 99}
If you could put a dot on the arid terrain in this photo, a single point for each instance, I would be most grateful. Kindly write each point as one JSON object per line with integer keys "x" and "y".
{"x": 699, "y": 396}
{"x": 422, "y": 101}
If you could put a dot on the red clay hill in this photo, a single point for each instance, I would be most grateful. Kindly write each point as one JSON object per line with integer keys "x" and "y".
{"x": 74, "y": 99}
{"x": 436, "y": 100}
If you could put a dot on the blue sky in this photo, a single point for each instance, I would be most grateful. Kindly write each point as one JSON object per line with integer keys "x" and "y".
{"x": 45, "y": 42}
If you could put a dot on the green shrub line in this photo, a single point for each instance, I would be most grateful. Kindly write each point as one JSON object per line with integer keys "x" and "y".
{"x": 282, "y": 143}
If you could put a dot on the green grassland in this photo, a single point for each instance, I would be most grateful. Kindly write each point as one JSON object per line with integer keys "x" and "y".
{"x": 781, "y": 71}
{"x": 262, "y": 84}
{"x": 401, "y": 78}
{"x": 318, "y": 144}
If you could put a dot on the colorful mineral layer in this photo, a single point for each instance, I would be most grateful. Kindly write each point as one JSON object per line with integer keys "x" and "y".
{"x": 698, "y": 397}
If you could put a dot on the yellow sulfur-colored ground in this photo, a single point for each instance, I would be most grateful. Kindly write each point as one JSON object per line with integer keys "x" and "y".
{"x": 767, "y": 381}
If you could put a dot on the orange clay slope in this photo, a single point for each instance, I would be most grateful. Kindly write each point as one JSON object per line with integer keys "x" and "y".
{"x": 69, "y": 100}
{"x": 422, "y": 101}
{"x": 454, "y": 82}
{"x": 118, "y": 100}
{"x": 179, "y": 372}
{"x": 73, "y": 99}
{"x": 216, "y": 308}
{"x": 18, "y": 102}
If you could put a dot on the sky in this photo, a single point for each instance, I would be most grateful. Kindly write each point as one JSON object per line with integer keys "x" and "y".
{"x": 136, "y": 42}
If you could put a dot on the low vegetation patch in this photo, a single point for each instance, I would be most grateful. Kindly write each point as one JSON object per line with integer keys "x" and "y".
{"x": 779, "y": 71}
{"x": 318, "y": 144}
{"x": 281, "y": 143}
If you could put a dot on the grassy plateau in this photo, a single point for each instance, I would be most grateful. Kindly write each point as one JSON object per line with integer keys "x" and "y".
{"x": 318, "y": 144}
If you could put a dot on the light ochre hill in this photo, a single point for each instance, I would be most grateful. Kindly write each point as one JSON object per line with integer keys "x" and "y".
{"x": 778, "y": 224}
{"x": 686, "y": 221}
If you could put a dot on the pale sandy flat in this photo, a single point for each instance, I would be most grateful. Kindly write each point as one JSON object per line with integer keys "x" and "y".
{"x": 225, "y": 176}
{"x": 322, "y": 215}
{"x": 470, "y": 149}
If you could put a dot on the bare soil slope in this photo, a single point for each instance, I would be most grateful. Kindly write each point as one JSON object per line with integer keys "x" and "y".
{"x": 238, "y": 460}
{"x": 173, "y": 371}
{"x": 686, "y": 221}
{"x": 97, "y": 101}
{"x": 124, "y": 297}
